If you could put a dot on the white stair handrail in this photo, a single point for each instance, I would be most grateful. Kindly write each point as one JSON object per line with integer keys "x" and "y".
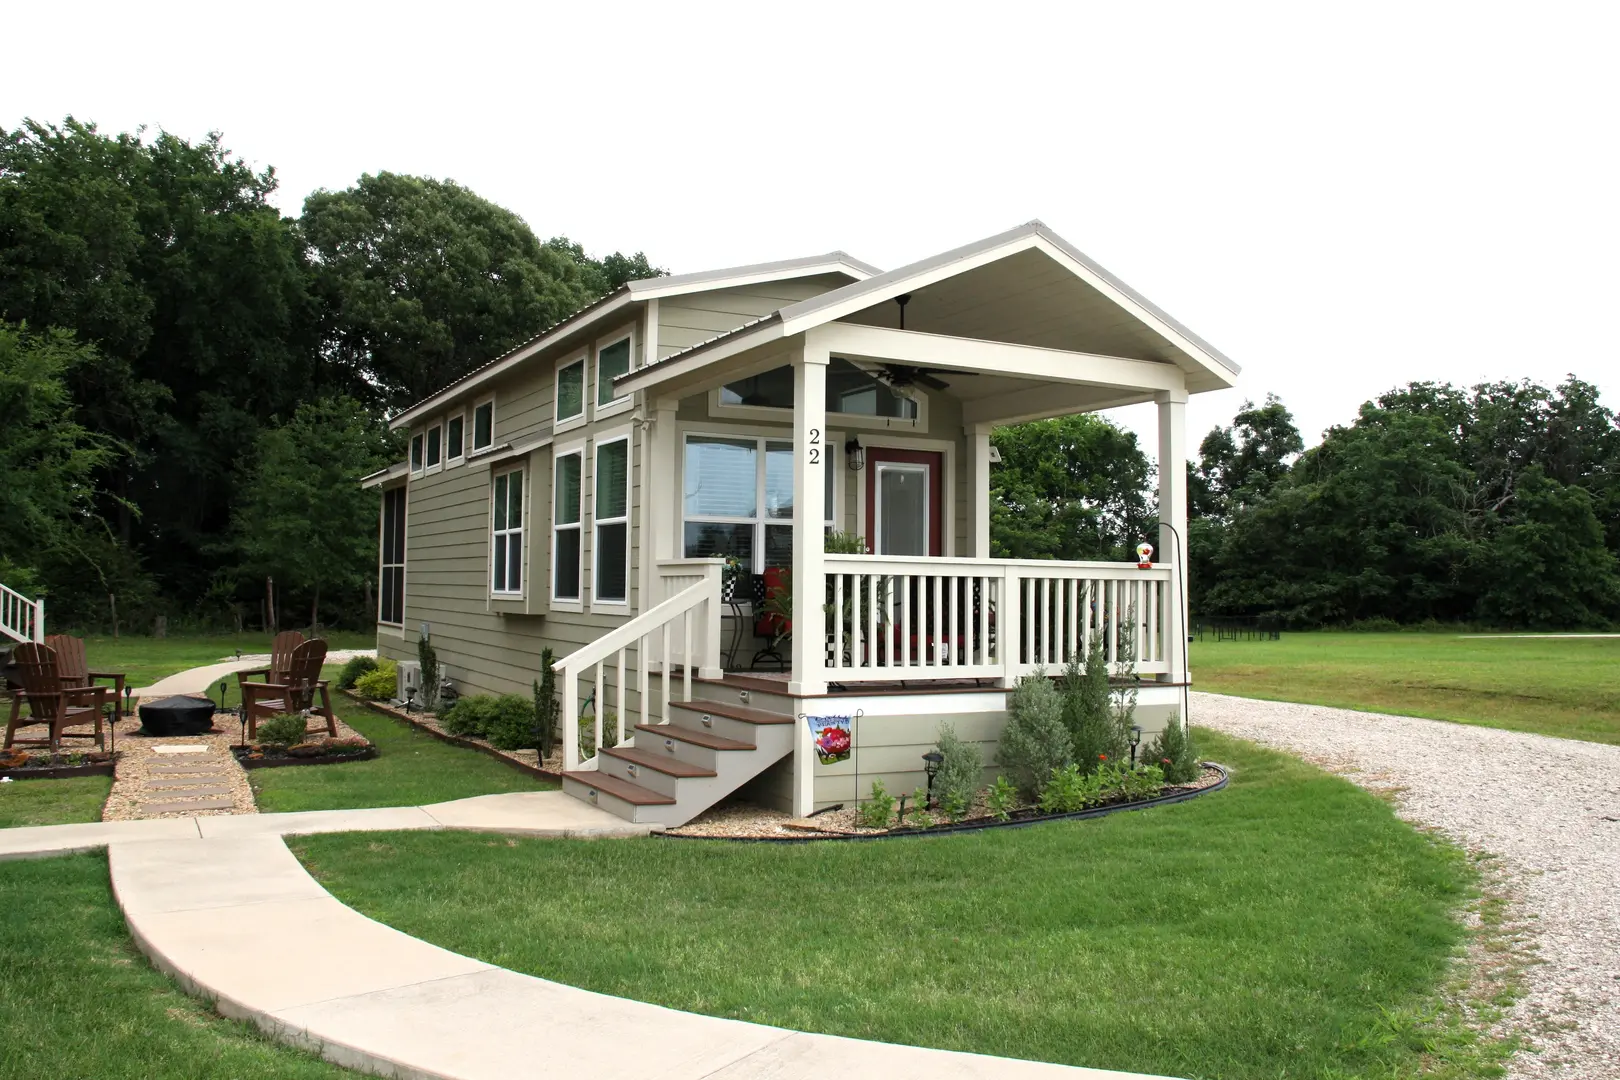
{"x": 639, "y": 632}
{"x": 21, "y": 619}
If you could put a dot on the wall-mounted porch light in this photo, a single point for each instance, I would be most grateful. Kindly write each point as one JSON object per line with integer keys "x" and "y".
{"x": 854, "y": 454}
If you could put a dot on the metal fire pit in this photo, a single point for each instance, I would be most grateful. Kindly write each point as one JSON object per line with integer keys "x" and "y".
{"x": 177, "y": 716}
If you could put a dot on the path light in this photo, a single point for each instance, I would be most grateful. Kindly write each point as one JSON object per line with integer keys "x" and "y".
{"x": 222, "y": 695}
{"x": 129, "y": 694}
{"x": 1136, "y": 740}
{"x": 241, "y": 714}
{"x": 931, "y": 763}
{"x": 238, "y": 656}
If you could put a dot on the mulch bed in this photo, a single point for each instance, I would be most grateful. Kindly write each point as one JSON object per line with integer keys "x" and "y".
{"x": 525, "y": 761}
{"x": 40, "y": 767}
{"x": 250, "y": 757}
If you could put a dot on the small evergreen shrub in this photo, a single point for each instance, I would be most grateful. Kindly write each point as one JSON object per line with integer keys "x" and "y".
{"x": 1172, "y": 751}
{"x": 511, "y": 724}
{"x": 470, "y": 716}
{"x": 428, "y": 657}
{"x": 875, "y": 812}
{"x": 1034, "y": 742}
{"x": 1086, "y": 713}
{"x": 959, "y": 774}
{"x": 356, "y": 667}
{"x": 380, "y": 684}
{"x": 545, "y": 705}
{"x": 283, "y": 729}
{"x": 1001, "y": 799}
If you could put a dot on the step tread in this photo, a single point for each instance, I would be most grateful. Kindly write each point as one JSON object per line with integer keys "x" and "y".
{"x": 695, "y": 736}
{"x": 734, "y": 681}
{"x": 735, "y": 712}
{"x": 658, "y": 763}
{"x": 634, "y": 794}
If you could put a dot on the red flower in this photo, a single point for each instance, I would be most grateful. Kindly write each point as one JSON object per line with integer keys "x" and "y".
{"x": 1102, "y": 757}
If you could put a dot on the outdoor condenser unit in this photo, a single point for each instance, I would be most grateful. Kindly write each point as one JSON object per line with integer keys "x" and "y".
{"x": 410, "y": 679}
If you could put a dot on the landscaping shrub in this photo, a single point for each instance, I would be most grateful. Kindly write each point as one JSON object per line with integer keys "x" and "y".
{"x": 545, "y": 705}
{"x": 1034, "y": 742}
{"x": 587, "y": 733}
{"x": 379, "y": 685}
{"x": 511, "y": 726}
{"x": 875, "y": 812}
{"x": 356, "y": 667}
{"x": 1172, "y": 751}
{"x": 959, "y": 774}
{"x": 470, "y": 716}
{"x": 428, "y": 657}
{"x": 1001, "y": 799}
{"x": 283, "y": 729}
{"x": 1087, "y": 716}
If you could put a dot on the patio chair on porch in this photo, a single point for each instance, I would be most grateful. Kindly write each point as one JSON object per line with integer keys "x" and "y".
{"x": 770, "y": 625}
{"x": 74, "y": 669}
{"x": 296, "y": 693}
{"x": 52, "y": 703}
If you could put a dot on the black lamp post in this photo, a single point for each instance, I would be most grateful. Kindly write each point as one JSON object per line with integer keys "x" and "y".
{"x": 931, "y": 763}
{"x": 1136, "y": 740}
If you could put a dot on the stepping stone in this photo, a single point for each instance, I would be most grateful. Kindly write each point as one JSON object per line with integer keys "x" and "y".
{"x": 165, "y": 769}
{"x": 193, "y": 792}
{"x": 179, "y": 749}
{"x": 173, "y": 807}
{"x": 197, "y": 782}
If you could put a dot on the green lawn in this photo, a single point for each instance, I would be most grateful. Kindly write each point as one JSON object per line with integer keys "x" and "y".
{"x": 1289, "y": 926}
{"x": 410, "y": 769}
{"x": 53, "y": 802}
{"x": 1569, "y": 687}
{"x": 78, "y": 1000}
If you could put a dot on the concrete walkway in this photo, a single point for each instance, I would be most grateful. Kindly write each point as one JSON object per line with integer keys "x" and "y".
{"x": 222, "y": 905}
{"x": 202, "y": 680}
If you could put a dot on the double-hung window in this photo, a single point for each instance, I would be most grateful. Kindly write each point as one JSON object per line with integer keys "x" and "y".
{"x": 571, "y": 392}
{"x": 391, "y": 595}
{"x": 565, "y": 525}
{"x": 435, "y": 446}
{"x": 483, "y": 427}
{"x": 610, "y": 551}
{"x": 506, "y": 536}
{"x": 416, "y": 452}
{"x": 455, "y": 438}
{"x": 738, "y": 499}
{"x": 612, "y": 360}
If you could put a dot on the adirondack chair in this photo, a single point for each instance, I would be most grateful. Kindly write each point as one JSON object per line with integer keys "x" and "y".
{"x": 74, "y": 668}
{"x": 52, "y": 703}
{"x": 301, "y": 680}
{"x": 281, "y": 652}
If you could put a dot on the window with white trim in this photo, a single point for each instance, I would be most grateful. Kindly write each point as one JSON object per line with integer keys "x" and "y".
{"x": 612, "y": 360}
{"x": 483, "y": 425}
{"x": 571, "y": 391}
{"x": 738, "y": 499}
{"x": 391, "y": 579}
{"x": 610, "y": 549}
{"x": 455, "y": 439}
{"x": 435, "y": 447}
{"x": 568, "y": 469}
{"x": 416, "y": 452}
{"x": 506, "y": 535}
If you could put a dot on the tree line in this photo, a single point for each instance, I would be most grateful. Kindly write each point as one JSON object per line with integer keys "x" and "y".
{"x": 191, "y": 382}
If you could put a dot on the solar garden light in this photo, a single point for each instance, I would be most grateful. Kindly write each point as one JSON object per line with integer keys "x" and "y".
{"x": 241, "y": 714}
{"x": 931, "y": 763}
{"x": 222, "y": 695}
{"x": 1136, "y": 739}
{"x": 129, "y": 694}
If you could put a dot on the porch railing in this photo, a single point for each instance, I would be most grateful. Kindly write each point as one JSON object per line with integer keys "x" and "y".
{"x": 684, "y": 628}
{"x": 21, "y": 619}
{"x": 903, "y": 618}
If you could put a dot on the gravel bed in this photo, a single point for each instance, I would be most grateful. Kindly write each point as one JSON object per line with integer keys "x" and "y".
{"x": 1547, "y": 809}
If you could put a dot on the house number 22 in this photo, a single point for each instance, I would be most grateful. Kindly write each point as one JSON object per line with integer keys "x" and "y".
{"x": 815, "y": 446}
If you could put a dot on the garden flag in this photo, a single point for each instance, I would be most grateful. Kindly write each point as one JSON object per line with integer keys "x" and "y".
{"x": 831, "y": 736}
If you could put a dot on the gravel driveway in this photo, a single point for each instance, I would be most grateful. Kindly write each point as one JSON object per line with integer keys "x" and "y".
{"x": 1548, "y": 808}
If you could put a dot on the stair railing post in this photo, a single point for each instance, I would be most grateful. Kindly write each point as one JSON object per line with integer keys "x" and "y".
{"x": 570, "y": 711}
{"x": 39, "y": 621}
{"x": 710, "y": 662}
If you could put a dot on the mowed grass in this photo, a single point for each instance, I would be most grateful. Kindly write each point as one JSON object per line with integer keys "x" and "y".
{"x": 1289, "y": 926}
{"x": 1568, "y": 687}
{"x": 53, "y": 802}
{"x": 78, "y": 1000}
{"x": 411, "y": 769}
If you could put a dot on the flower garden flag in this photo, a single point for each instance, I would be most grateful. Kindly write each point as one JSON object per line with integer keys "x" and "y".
{"x": 831, "y": 736}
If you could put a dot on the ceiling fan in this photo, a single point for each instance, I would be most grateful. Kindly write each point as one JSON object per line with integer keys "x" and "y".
{"x": 902, "y": 375}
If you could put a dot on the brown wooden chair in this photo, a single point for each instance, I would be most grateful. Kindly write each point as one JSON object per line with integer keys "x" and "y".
{"x": 74, "y": 668}
{"x": 281, "y": 653}
{"x": 52, "y": 703}
{"x": 301, "y": 680}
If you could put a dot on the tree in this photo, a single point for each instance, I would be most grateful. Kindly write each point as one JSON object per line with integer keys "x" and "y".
{"x": 1238, "y": 465}
{"x": 422, "y": 281}
{"x": 1074, "y": 487}
{"x": 606, "y": 274}
{"x": 304, "y": 518}
{"x": 1548, "y": 568}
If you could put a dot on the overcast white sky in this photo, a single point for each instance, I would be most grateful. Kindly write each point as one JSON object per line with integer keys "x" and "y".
{"x": 1341, "y": 201}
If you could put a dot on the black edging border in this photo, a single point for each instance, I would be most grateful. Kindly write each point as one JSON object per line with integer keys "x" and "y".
{"x": 454, "y": 740}
{"x": 368, "y": 754}
{"x": 59, "y": 772}
{"x": 976, "y": 826}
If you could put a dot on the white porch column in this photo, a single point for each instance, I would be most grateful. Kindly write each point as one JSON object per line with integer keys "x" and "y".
{"x": 809, "y": 482}
{"x": 979, "y": 490}
{"x": 1173, "y": 512}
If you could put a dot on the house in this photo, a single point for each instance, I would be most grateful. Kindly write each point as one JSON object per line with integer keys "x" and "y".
{"x": 583, "y": 491}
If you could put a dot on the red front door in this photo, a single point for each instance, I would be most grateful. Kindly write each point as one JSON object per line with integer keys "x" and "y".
{"x": 905, "y": 506}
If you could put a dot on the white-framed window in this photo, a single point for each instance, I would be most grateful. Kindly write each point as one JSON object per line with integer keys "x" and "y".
{"x": 856, "y": 396}
{"x": 737, "y": 498}
{"x": 506, "y": 534}
{"x": 483, "y": 425}
{"x": 435, "y": 447}
{"x": 455, "y": 439}
{"x": 570, "y": 393}
{"x": 391, "y": 574}
{"x": 614, "y": 356}
{"x": 610, "y": 512}
{"x": 567, "y": 547}
{"x": 417, "y": 441}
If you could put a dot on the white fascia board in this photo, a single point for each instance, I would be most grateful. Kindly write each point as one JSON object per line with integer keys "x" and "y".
{"x": 499, "y": 367}
{"x": 680, "y": 284}
{"x": 1040, "y": 403}
{"x": 700, "y": 356}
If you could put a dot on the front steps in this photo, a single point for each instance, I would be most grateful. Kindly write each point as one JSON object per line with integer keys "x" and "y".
{"x": 670, "y": 773}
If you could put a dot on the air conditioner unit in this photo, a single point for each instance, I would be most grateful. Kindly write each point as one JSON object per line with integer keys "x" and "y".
{"x": 410, "y": 680}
